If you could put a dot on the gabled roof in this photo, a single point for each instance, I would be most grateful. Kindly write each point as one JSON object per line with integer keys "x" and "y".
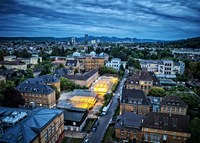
{"x": 42, "y": 79}
{"x": 27, "y": 130}
{"x": 134, "y": 96}
{"x": 168, "y": 122}
{"x": 172, "y": 100}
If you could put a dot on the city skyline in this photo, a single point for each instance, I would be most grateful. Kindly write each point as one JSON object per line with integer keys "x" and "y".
{"x": 169, "y": 20}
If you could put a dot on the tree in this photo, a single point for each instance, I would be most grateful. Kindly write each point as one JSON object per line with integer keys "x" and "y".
{"x": 10, "y": 97}
{"x": 157, "y": 91}
{"x": 108, "y": 70}
{"x": 56, "y": 92}
{"x": 133, "y": 63}
{"x": 195, "y": 126}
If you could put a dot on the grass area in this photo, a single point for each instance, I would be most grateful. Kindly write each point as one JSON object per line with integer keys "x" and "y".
{"x": 89, "y": 124}
{"x": 73, "y": 140}
{"x": 109, "y": 136}
{"x": 116, "y": 112}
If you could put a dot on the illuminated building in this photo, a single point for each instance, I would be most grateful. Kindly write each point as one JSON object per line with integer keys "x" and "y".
{"x": 103, "y": 85}
{"x": 78, "y": 98}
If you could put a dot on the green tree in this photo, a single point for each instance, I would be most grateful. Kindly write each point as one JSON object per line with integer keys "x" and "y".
{"x": 107, "y": 70}
{"x": 56, "y": 92}
{"x": 10, "y": 97}
{"x": 66, "y": 84}
{"x": 195, "y": 130}
{"x": 157, "y": 91}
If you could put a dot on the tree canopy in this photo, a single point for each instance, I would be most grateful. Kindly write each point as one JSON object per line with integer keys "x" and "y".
{"x": 157, "y": 91}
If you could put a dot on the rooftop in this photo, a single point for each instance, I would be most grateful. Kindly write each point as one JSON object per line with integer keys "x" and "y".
{"x": 134, "y": 96}
{"x": 168, "y": 122}
{"x": 172, "y": 100}
{"x": 28, "y": 128}
{"x": 129, "y": 120}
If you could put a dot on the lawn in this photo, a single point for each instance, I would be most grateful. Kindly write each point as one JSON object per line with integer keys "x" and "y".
{"x": 89, "y": 124}
{"x": 109, "y": 136}
{"x": 72, "y": 140}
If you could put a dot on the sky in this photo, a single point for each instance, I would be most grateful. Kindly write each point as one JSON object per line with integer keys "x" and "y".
{"x": 144, "y": 19}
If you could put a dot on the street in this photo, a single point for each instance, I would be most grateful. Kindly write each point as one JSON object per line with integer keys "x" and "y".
{"x": 97, "y": 136}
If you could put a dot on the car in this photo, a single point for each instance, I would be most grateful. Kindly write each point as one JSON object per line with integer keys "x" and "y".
{"x": 86, "y": 141}
{"x": 94, "y": 129}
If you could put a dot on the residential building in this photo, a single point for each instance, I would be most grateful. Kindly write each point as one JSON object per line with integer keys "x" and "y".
{"x": 14, "y": 65}
{"x": 173, "y": 105}
{"x": 128, "y": 127}
{"x": 61, "y": 72}
{"x": 116, "y": 63}
{"x": 163, "y": 68}
{"x": 143, "y": 80}
{"x": 75, "y": 119}
{"x": 37, "y": 125}
{"x": 166, "y": 128}
{"x": 134, "y": 100}
{"x": 85, "y": 79}
{"x": 9, "y": 58}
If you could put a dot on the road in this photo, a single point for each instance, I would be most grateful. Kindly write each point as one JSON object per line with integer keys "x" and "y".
{"x": 97, "y": 136}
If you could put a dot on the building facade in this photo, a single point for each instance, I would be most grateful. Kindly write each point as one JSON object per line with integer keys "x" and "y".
{"x": 166, "y": 128}
{"x": 173, "y": 105}
{"x": 143, "y": 80}
{"x": 37, "y": 125}
{"x": 116, "y": 63}
{"x": 135, "y": 101}
{"x": 163, "y": 68}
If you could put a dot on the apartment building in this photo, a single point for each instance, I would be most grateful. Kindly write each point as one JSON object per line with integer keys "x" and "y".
{"x": 14, "y": 65}
{"x": 166, "y": 128}
{"x": 163, "y": 68}
{"x": 39, "y": 125}
{"x": 173, "y": 105}
{"x": 143, "y": 80}
{"x": 128, "y": 127}
{"x": 116, "y": 63}
{"x": 134, "y": 100}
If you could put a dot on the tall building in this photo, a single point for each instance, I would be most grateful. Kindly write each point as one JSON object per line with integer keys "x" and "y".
{"x": 86, "y": 38}
{"x": 73, "y": 40}
{"x": 40, "y": 125}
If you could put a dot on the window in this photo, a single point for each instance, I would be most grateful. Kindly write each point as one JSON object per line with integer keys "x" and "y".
{"x": 49, "y": 131}
{"x": 168, "y": 109}
{"x": 164, "y": 108}
{"x": 46, "y": 136}
{"x": 173, "y": 109}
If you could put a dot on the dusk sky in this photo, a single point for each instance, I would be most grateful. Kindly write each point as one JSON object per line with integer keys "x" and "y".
{"x": 152, "y": 19}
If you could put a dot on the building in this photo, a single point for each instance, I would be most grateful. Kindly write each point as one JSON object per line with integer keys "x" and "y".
{"x": 85, "y": 79}
{"x": 163, "y": 68}
{"x": 79, "y": 98}
{"x": 72, "y": 64}
{"x": 37, "y": 125}
{"x": 143, "y": 80}
{"x": 61, "y": 72}
{"x": 50, "y": 80}
{"x": 134, "y": 100}
{"x": 128, "y": 127}
{"x": 155, "y": 103}
{"x": 166, "y": 128}
{"x": 9, "y": 58}
{"x": 75, "y": 119}
{"x": 116, "y": 63}
{"x": 92, "y": 62}
{"x": 173, "y": 105}
{"x": 36, "y": 94}
{"x": 86, "y": 39}
{"x": 14, "y": 65}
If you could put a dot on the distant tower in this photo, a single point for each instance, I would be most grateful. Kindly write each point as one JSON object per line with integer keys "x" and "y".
{"x": 73, "y": 40}
{"x": 86, "y": 38}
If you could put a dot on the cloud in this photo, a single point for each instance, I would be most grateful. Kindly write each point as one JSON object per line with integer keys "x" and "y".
{"x": 123, "y": 18}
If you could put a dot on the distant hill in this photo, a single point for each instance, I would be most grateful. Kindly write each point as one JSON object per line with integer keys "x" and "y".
{"x": 79, "y": 39}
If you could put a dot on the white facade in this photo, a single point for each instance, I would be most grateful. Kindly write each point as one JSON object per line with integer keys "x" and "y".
{"x": 115, "y": 63}
{"x": 163, "y": 67}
